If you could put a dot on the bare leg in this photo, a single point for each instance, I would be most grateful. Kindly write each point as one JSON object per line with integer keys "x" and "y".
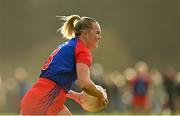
{"x": 65, "y": 111}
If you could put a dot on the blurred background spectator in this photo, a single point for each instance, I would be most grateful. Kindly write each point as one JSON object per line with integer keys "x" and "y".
{"x": 140, "y": 87}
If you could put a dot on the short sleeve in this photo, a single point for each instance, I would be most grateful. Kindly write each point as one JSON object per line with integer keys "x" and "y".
{"x": 83, "y": 55}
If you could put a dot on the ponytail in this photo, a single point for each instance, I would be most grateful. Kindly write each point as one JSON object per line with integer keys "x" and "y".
{"x": 67, "y": 29}
{"x": 74, "y": 25}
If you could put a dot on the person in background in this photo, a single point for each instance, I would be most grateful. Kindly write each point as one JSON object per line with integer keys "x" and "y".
{"x": 69, "y": 62}
{"x": 140, "y": 86}
{"x": 170, "y": 87}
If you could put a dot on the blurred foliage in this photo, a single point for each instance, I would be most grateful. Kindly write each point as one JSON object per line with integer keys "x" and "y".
{"x": 132, "y": 30}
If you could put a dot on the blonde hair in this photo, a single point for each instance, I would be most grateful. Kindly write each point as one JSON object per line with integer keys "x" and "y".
{"x": 74, "y": 25}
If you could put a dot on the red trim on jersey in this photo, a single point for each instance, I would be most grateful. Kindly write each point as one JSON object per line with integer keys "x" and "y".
{"x": 82, "y": 54}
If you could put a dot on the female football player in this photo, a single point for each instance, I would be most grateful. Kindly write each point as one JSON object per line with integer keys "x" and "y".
{"x": 68, "y": 63}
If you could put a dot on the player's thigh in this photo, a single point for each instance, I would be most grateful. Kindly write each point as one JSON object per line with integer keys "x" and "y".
{"x": 65, "y": 111}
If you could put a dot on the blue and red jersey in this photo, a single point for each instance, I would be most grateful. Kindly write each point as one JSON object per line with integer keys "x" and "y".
{"x": 140, "y": 85}
{"x": 60, "y": 66}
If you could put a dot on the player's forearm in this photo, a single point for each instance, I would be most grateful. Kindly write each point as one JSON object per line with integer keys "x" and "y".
{"x": 74, "y": 95}
{"x": 90, "y": 88}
